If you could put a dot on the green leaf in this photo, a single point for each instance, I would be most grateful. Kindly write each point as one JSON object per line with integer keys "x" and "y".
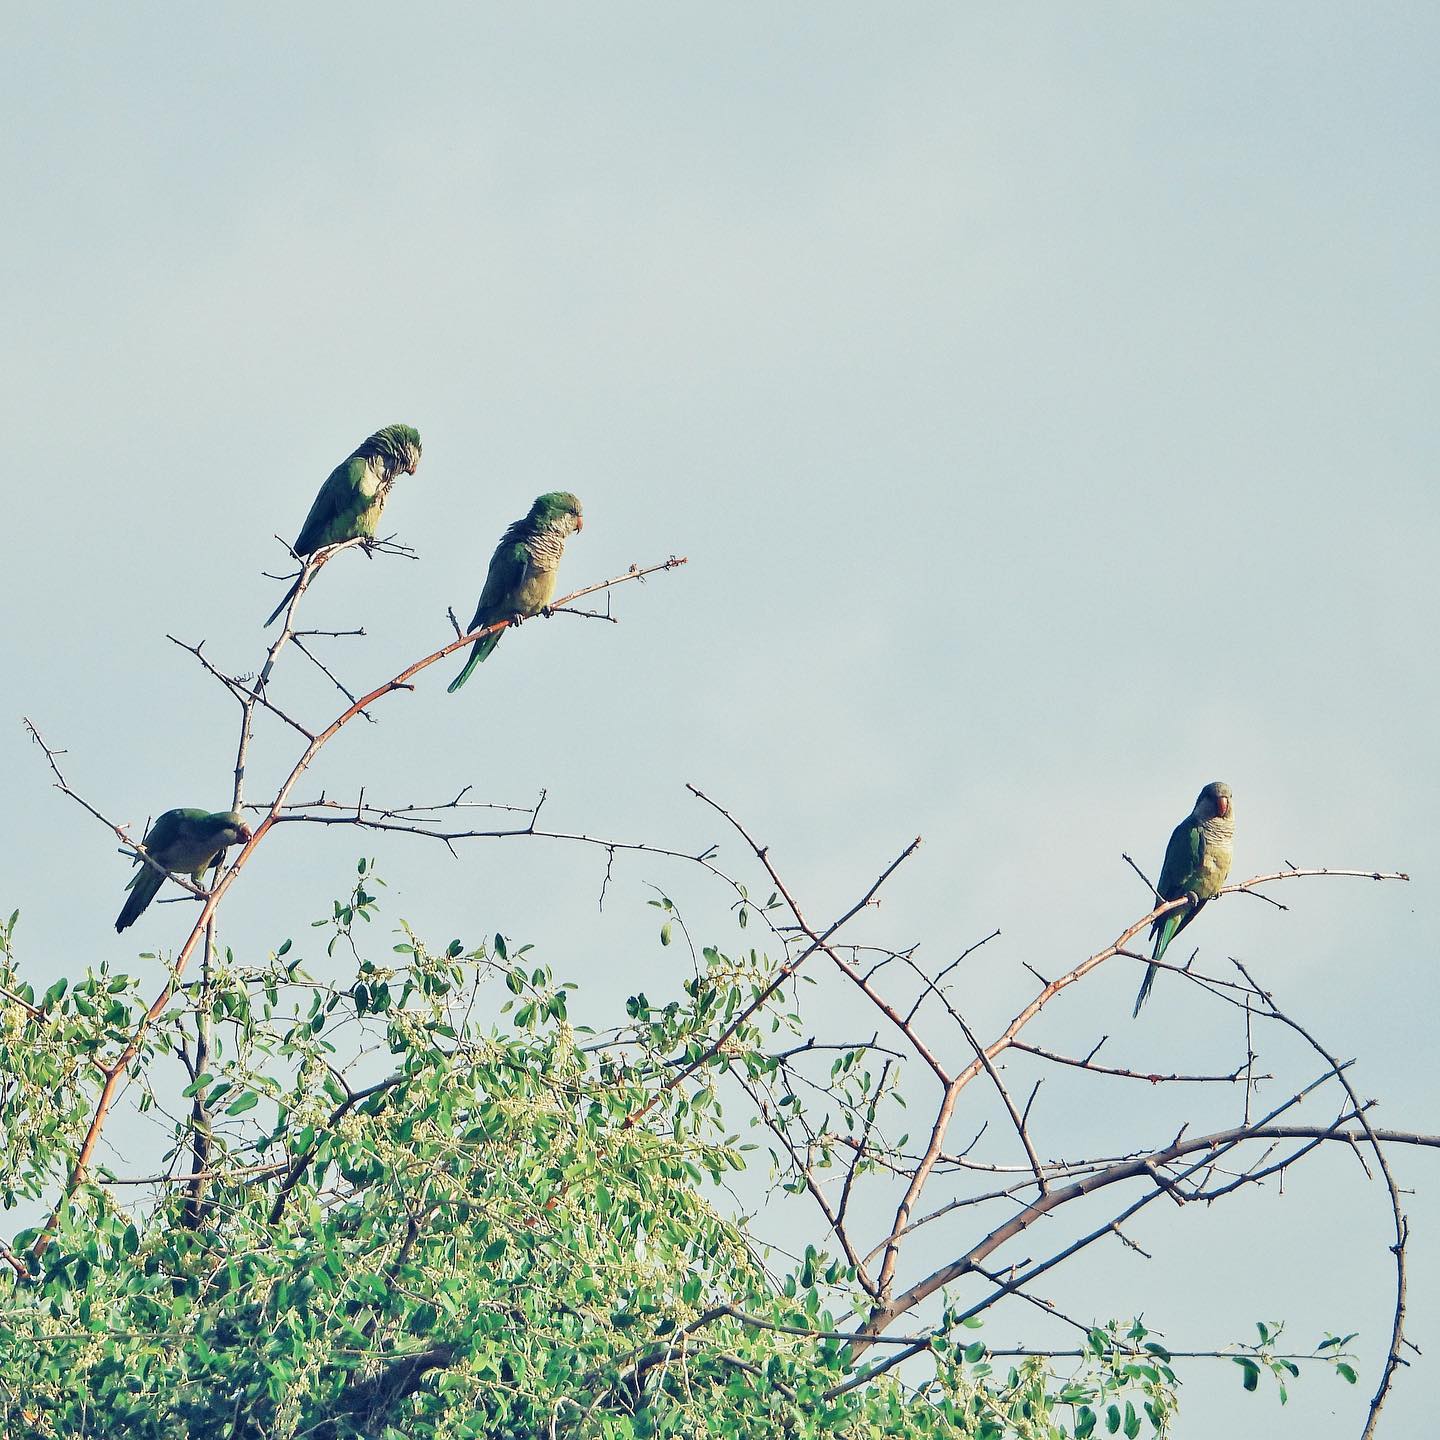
{"x": 665, "y": 933}
{"x": 1347, "y": 1371}
{"x": 1251, "y": 1376}
{"x": 248, "y": 1101}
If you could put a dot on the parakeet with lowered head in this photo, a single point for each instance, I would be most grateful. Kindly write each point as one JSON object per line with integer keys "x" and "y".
{"x": 521, "y": 578}
{"x": 351, "y": 499}
{"x": 185, "y": 841}
{"x": 1197, "y": 860}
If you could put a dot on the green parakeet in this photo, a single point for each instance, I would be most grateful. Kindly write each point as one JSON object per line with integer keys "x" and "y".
{"x": 351, "y": 499}
{"x": 1197, "y": 860}
{"x": 182, "y": 841}
{"x": 521, "y": 578}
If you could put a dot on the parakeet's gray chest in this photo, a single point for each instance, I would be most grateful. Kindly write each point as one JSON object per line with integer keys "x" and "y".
{"x": 1217, "y": 842}
{"x": 544, "y": 551}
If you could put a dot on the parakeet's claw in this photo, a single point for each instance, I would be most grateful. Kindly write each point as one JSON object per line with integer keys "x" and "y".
{"x": 517, "y": 618}
{"x": 1192, "y": 899}
{"x": 546, "y": 611}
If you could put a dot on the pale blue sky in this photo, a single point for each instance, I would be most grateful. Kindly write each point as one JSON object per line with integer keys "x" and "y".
{"x": 1044, "y": 398}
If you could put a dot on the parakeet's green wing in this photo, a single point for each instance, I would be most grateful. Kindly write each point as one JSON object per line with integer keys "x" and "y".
{"x": 333, "y": 517}
{"x": 508, "y": 568}
{"x": 166, "y": 831}
{"x": 505, "y": 576}
{"x": 337, "y": 506}
{"x": 1182, "y": 860}
{"x": 1177, "y": 877}
{"x": 145, "y": 883}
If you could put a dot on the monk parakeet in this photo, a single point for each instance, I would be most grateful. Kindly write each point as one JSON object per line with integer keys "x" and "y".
{"x": 180, "y": 840}
{"x": 521, "y": 579}
{"x": 350, "y": 501}
{"x": 1197, "y": 860}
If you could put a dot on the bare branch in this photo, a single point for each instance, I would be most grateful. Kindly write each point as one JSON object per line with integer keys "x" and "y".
{"x": 115, "y": 1070}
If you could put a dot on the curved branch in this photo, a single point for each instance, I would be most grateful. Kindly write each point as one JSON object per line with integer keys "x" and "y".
{"x": 1139, "y": 1168}
{"x": 1393, "y": 1358}
{"x": 116, "y": 1070}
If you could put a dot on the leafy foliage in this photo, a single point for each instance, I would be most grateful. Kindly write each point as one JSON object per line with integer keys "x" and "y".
{"x": 413, "y": 1223}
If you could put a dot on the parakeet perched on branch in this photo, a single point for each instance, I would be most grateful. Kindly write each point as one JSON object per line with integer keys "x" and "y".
{"x": 182, "y": 841}
{"x": 350, "y": 501}
{"x": 521, "y": 579}
{"x": 1197, "y": 860}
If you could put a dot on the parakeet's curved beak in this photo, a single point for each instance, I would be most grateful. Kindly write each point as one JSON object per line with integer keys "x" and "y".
{"x": 579, "y": 523}
{"x": 1223, "y": 804}
{"x": 244, "y": 834}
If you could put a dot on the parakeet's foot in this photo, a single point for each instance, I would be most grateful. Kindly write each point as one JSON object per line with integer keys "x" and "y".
{"x": 546, "y": 611}
{"x": 1192, "y": 899}
{"x": 517, "y": 618}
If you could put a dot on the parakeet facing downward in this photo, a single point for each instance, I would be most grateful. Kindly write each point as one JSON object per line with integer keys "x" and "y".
{"x": 521, "y": 579}
{"x": 182, "y": 841}
{"x": 350, "y": 501}
{"x": 1197, "y": 860}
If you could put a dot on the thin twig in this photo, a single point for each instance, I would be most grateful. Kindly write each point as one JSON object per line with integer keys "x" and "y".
{"x": 116, "y": 1069}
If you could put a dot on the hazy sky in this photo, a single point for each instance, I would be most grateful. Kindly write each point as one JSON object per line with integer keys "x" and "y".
{"x": 1044, "y": 397}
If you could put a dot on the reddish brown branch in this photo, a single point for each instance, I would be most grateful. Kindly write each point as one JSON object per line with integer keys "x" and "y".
{"x": 116, "y": 1069}
{"x": 1210, "y": 1146}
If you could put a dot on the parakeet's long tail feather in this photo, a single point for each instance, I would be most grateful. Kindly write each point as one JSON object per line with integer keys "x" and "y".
{"x": 1164, "y": 932}
{"x": 289, "y": 595}
{"x": 143, "y": 889}
{"x": 1145, "y": 985}
{"x": 481, "y": 648}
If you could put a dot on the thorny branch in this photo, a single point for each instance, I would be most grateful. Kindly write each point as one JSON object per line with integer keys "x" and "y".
{"x": 924, "y": 1026}
{"x": 116, "y": 1068}
{"x": 1151, "y": 1167}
